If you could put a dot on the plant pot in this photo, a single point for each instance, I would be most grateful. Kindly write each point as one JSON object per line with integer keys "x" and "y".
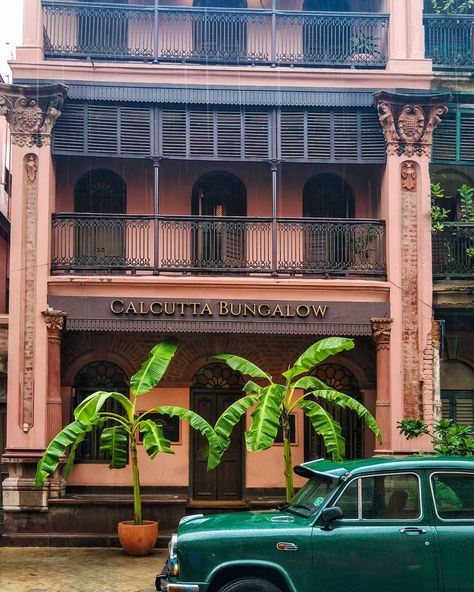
{"x": 138, "y": 539}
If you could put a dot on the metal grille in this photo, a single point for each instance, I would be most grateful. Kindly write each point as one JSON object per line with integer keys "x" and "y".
{"x": 123, "y": 244}
{"x": 449, "y": 40}
{"x": 452, "y": 251}
{"x": 214, "y": 35}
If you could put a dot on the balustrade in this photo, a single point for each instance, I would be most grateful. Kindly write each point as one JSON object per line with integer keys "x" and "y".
{"x": 117, "y": 243}
{"x": 453, "y": 251}
{"x": 231, "y": 36}
{"x": 449, "y": 40}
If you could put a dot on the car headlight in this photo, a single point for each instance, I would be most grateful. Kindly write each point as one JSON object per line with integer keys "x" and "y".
{"x": 173, "y": 555}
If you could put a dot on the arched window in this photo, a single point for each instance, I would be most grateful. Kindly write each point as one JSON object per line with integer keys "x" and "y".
{"x": 221, "y": 37}
{"x": 328, "y": 196}
{"x": 340, "y": 379}
{"x": 97, "y": 376}
{"x": 101, "y": 240}
{"x": 219, "y": 244}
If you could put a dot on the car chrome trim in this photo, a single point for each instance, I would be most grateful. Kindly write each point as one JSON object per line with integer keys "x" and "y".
{"x": 447, "y": 472}
{"x": 287, "y": 546}
{"x": 164, "y": 585}
{"x": 390, "y": 520}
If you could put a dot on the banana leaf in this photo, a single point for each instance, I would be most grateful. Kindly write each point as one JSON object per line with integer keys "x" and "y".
{"x": 153, "y": 369}
{"x": 327, "y": 427}
{"x": 200, "y": 424}
{"x": 343, "y": 400}
{"x": 229, "y": 419}
{"x": 154, "y": 440}
{"x": 243, "y": 366}
{"x": 265, "y": 419}
{"x": 72, "y": 451}
{"x": 57, "y": 448}
{"x": 114, "y": 443}
{"x": 87, "y": 411}
{"x": 316, "y": 353}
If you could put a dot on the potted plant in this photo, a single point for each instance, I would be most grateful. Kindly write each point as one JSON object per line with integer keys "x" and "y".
{"x": 364, "y": 49}
{"x": 272, "y": 403}
{"x": 118, "y": 439}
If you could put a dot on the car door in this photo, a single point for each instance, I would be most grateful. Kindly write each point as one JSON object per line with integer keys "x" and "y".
{"x": 453, "y": 498}
{"x": 384, "y": 541}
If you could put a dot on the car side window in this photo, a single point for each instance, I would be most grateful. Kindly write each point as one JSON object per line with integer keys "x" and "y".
{"x": 382, "y": 497}
{"x": 453, "y": 495}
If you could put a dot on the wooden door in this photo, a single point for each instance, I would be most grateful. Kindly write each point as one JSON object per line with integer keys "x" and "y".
{"x": 225, "y": 483}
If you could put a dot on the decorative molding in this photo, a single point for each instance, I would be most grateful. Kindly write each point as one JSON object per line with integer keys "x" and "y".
{"x": 408, "y": 121}
{"x": 409, "y": 176}
{"x": 381, "y": 329}
{"x": 54, "y": 320}
{"x": 436, "y": 334}
{"x": 31, "y": 111}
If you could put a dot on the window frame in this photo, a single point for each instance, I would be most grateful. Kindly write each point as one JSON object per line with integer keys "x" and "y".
{"x": 420, "y": 518}
{"x": 447, "y": 472}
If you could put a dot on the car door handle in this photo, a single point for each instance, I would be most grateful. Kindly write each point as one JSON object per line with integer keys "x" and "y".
{"x": 412, "y": 530}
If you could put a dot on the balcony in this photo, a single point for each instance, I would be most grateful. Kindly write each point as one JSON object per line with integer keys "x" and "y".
{"x": 214, "y": 36}
{"x": 141, "y": 244}
{"x": 449, "y": 41}
{"x": 453, "y": 251}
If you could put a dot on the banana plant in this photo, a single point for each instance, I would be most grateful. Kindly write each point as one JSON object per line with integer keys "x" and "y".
{"x": 119, "y": 432}
{"x": 273, "y": 402}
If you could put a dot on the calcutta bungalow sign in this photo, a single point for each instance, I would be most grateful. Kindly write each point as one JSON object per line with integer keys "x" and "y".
{"x": 162, "y": 315}
{"x": 218, "y": 308}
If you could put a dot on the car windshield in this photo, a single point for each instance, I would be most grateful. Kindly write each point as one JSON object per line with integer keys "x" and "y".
{"x": 311, "y": 497}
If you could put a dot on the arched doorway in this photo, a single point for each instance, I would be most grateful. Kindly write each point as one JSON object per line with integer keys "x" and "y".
{"x": 214, "y": 388}
{"x": 101, "y": 241}
{"x": 222, "y": 38}
{"x": 340, "y": 379}
{"x": 97, "y": 376}
{"x": 327, "y": 246}
{"x": 219, "y": 244}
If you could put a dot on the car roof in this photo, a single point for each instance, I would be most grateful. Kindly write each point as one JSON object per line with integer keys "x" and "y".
{"x": 336, "y": 470}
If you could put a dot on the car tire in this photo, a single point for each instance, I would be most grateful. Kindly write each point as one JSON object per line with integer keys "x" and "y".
{"x": 249, "y": 585}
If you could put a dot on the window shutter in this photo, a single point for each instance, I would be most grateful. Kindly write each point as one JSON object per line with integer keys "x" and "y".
{"x": 464, "y": 411}
{"x": 467, "y": 136}
{"x": 173, "y": 133}
{"x": 346, "y": 138}
{"x": 201, "y": 133}
{"x": 445, "y": 139}
{"x": 135, "y": 131}
{"x": 319, "y": 136}
{"x": 445, "y": 409}
{"x": 372, "y": 141}
{"x": 292, "y": 135}
{"x": 229, "y": 134}
{"x": 257, "y": 135}
{"x": 68, "y": 133}
{"x": 102, "y": 129}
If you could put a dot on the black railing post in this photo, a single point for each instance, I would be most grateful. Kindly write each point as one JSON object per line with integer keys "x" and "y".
{"x": 155, "y": 32}
{"x": 156, "y": 212}
{"x": 274, "y": 167}
{"x": 273, "y": 33}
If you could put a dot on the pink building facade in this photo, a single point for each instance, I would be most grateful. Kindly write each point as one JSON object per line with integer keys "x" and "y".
{"x": 243, "y": 179}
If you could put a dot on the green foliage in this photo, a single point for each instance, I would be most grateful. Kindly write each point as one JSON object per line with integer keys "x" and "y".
{"x": 466, "y": 194}
{"x": 274, "y": 402}
{"x": 448, "y": 438}
{"x": 438, "y": 214}
{"x": 452, "y": 6}
{"x": 118, "y": 435}
{"x": 361, "y": 43}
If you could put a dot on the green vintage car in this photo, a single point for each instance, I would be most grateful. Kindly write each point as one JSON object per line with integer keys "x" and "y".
{"x": 396, "y": 525}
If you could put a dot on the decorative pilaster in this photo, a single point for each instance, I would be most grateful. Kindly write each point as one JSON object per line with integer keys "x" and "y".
{"x": 54, "y": 320}
{"x": 381, "y": 330}
{"x": 436, "y": 345}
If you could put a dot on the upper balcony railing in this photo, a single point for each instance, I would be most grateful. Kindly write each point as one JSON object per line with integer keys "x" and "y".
{"x": 450, "y": 40}
{"x": 125, "y": 244}
{"x": 453, "y": 251}
{"x": 214, "y": 36}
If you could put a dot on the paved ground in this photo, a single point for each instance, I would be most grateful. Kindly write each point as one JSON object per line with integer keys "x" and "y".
{"x": 31, "y": 569}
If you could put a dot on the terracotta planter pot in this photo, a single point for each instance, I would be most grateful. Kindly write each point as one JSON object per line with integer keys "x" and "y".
{"x": 138, "y": 539}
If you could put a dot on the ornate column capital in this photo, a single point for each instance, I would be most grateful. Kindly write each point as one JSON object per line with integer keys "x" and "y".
{"x": 54, "y": 320}
{"x": 381, "y": 329}
{"x": 31, "y": 110}
{"x": 409, "y": 120}
{"x": 436, "y": 334}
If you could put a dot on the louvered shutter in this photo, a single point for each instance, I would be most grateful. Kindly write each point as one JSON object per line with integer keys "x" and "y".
{"x": 445, "y": 139}
{"x": 319, "y": 136}
{"x": 257, "y": 135}
{"x": 464, "y": 411}
{"x": 174, "y": 133}
{"x": 372, "y": 141}
{"x": 292, "y": 136}
{"x": 467, "y": 136}
{"x": 102, "y": 129}
{"x": 69, "y": 131}
{"x": 229, "y": 134}
{"x": 201, "y": 134}
{"x": 346, "y": 139}
{"x": 135, "y": 131}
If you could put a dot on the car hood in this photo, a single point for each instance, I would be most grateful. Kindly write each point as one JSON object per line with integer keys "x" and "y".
{"x": 268, "y": 520}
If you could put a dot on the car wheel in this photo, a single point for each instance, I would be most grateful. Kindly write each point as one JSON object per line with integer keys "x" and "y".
{"x": 250, "y": 585}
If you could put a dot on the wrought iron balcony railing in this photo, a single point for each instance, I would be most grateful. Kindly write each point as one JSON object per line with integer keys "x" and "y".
{"x": 229, "y": 36}
{"x": 93, "y": 243}
{"x": 453, "y": 251}
{"x": 449, "y": 40}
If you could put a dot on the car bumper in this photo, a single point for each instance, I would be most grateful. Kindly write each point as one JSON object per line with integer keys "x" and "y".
{"x": 164, "y": 585}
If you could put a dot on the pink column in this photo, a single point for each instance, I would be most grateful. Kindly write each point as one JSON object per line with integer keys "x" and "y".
{"x": 408, "y": 122}
{"x": 54, "y": 320}
{"x": 381, "y": 334}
